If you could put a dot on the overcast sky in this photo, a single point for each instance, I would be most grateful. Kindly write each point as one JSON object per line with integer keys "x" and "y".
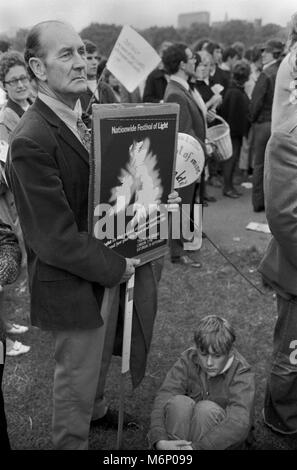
{"x": 138, "y": 13}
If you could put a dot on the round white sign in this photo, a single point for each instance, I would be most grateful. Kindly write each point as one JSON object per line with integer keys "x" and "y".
{"x": 189, "y": 160}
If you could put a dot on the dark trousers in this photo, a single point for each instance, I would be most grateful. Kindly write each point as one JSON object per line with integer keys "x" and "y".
{"x": 229, "y": 166}
{"x": 187, "y": 195}
{"x": 280, "y": 407}
{"x": 261, "y": 136}
{"x": 4, "y": 441}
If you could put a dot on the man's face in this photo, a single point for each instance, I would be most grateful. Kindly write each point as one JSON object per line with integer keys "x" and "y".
{"x": 217, "y": 56}
{"x": 212, "y": 363}
{"x": 267, "y": 57}
{"x": 92, "y": 64}
{"x": 64, "y": 61}
{"x": 190, "y": 64}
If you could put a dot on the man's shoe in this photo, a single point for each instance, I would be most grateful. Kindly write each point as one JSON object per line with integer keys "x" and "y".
{"x": 187, "y": 261}
{"x": 111, "y": 419}
{"x": 210, "y": 199}
{"x": 239, "y": 193}
{"x": 230, "y": 194}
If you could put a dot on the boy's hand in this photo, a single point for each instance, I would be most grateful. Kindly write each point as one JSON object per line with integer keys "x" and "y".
{"x": 174, "y": 445}
{"x": 173, "y": 201}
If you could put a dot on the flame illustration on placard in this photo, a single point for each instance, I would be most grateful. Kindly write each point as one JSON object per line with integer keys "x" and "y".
{"x": 140, "y": 177}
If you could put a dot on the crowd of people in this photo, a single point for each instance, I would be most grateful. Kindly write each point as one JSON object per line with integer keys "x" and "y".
{"x": 77, "y": 283}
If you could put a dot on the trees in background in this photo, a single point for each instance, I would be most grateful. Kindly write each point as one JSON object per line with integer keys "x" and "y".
{"x": 105, "y": 35}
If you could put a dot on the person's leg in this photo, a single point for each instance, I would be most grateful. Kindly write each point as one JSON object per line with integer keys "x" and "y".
{"x": 178, "y": 416}
{"x": 78, "y": 356}
{"x": 206, "y": 415}
{"x": 4, "y": 440}
{"x": 280, "y": 406}
{"x": 236, "y": 144}
{"x": 261, "y": 136}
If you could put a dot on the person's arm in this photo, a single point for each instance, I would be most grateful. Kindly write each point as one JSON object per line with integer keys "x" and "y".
{"x": 234, "y": 428}
{"x": 48, "y": 222}
{"x": 280, "y": 173}
{"x": 175, "y": 383}
{"x": 258, "y": 96}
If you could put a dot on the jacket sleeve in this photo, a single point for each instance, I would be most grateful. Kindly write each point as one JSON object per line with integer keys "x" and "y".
{"x": 280, "y": 174}
{"x": 47, "y": 221}
{"x": 174, "y": 384}
{"x": 234, "y": 428}
{"x": 258, "y": 96}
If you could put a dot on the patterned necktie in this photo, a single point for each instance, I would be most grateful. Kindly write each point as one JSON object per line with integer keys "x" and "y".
{"x": 84, "y": 134}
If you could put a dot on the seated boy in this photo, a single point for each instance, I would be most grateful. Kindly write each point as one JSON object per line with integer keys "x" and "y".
{"x": 207, "y": 398}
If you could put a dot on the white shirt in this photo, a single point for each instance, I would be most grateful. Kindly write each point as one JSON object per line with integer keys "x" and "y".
{"x": 67, "y": 115}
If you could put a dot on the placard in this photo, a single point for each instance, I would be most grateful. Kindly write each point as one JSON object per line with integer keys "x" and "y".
{"x": 132, "y": 58}
{"x": 133, "y": 170}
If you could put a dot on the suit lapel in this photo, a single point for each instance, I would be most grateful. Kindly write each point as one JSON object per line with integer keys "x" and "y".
{"x": 63, "y": 130}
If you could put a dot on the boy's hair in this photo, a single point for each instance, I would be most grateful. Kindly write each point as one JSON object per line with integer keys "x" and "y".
{"x": 229, "y": 52}
{"x": 216, "y": 333}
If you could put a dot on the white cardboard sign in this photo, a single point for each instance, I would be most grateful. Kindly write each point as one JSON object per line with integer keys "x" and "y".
{"x": 132, "y": 58}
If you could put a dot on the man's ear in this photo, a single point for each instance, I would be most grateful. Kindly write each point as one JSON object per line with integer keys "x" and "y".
{"x": 38, "y": 68}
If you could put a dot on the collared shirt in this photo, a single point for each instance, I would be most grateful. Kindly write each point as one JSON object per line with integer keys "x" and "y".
{"x": 67, "y": 115}
{"x": 269, "y": 63}
{"x": 181, "y": 81}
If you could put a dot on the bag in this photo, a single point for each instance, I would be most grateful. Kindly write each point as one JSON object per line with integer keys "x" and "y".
{"x": 220, "y": 140}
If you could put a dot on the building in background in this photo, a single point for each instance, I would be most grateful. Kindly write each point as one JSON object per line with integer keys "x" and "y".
{"x": 185, "y": 20}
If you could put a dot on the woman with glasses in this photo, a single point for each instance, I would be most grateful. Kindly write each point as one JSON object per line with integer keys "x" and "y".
{"x": 16, "y": 83}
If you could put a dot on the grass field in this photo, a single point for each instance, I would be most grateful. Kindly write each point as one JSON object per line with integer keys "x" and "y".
{"x": 185, "y": 295}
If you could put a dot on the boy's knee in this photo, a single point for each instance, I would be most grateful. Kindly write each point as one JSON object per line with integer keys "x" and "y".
{"x": 210, "y": 409}
{"x": 180, "y": 402}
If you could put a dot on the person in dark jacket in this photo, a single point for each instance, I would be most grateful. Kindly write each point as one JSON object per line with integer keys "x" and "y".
{"x": 157, "y": 80}
{"x": 10, "y": 262}
{"x": 234, "y": 110}
{"x": 260, "y": 111}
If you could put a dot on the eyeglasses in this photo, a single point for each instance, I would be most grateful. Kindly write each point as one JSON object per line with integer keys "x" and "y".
{"x": 14, "y": 82}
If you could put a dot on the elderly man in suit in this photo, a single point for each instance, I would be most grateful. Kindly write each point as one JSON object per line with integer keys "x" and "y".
{"x": 179, "y": 62}
{"x": 48, "y": 170}
{"x": 279, "y": 269}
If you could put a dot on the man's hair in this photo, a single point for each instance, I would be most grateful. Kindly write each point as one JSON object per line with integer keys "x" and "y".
{"x": 216, "y": 333}
{"x": 241, "y": 72}
{"x": 9, "y": 60}
{"x": 253, "y": 54}
{"x": 229, "y": 52}
{"x": 33, "y": 46}
{"x": 173, "y": 56}
{"x": 212, "y": 46}
{"x": 90, "y": 46}
{"x": 4, "y": 45}
{"x": 240, "y": 48}
{"x": 198, "y": 45}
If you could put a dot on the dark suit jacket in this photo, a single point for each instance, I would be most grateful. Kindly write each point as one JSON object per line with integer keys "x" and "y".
{"x": 48, "y": 170}
{"x": 155, "y": 86}
{"x": 191, "y": 121}
{"x": 262, "y": 96}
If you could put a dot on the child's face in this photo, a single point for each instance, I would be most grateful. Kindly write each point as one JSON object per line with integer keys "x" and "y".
{"x": 211, "y": 362}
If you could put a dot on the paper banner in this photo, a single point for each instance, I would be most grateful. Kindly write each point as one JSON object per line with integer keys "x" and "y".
{"x": 132, "y": 59}
{"x": 189, "y": 160}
